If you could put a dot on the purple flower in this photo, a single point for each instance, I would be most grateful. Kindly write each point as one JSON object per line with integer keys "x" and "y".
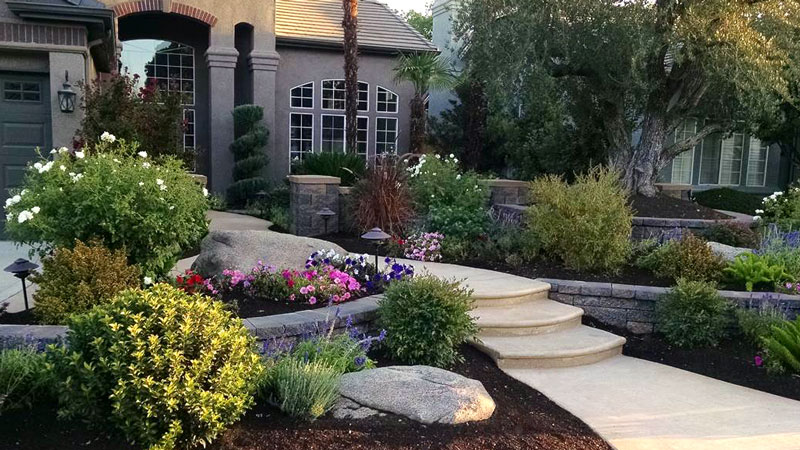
{"x": 360, "y": 361}
{"x": 759, "y": 361}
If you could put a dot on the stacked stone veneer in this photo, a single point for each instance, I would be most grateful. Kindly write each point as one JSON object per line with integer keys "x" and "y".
{"x": 285, "y": 327}
{"x": 654, "y": 228}
{"x": 633, "y": 307}
{"x": 508, "y": 192}
{"x": 308, "y": 195}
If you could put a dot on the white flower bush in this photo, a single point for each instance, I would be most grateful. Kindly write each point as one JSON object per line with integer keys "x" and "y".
{"x": 106, "y": 193}
{"x": 781, "y": 208}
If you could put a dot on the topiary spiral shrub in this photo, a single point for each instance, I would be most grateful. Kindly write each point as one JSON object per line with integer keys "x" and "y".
{"x": 167, "y": 369}
{"x": 75, "y": 280}
{"x": 248, "y": 154}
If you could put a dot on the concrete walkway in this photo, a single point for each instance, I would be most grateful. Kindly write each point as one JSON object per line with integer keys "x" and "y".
{"x": 640, "y": 405}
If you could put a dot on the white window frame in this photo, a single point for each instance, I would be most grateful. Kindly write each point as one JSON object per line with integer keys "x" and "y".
{"x": 377, "y": 101}
{"x": 366, "y": 143}
{"x": 359, "y": 93}
{"x": 322, "y": 95}
{"x": 193, "y": 134}
{"x": 691, "y": 167}
{"x": 396, "y": 134}
{"x": 313, "y": 120}
{"x": 766, "y": 163}
{"x": 322, "y": 134}
{"x": 741, "y": 160}
{"x": 313, "y": 92}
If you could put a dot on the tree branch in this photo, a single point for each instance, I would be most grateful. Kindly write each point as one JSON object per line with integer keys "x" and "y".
{"x": 687, "y": 144}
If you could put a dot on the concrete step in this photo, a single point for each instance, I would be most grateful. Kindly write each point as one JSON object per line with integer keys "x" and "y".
{"x": 512, "y": 295}
{"x": 527, "y": 318}
{"x": 567, "y": 348}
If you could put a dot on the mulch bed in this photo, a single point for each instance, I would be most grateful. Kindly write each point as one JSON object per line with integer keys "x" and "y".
{"x": 665, "y": 207}
{"x": 524, "y": 419}
{"x": 732, "y": 361}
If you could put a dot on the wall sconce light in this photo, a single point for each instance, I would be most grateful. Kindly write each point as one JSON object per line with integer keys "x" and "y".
{"x": 66, "y": 96}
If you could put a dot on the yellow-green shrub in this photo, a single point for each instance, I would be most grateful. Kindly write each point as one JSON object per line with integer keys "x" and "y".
{"x": 167, "y": 369}
{"x": 75, "y": 280}
{"x": 689, "y": 258}
{"x": 587, "y": 224}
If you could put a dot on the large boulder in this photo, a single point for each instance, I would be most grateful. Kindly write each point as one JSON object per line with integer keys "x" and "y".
{"x": 421, "y": 393}
{"x": 727, "y": 252}
{"x": 241, "y": 250}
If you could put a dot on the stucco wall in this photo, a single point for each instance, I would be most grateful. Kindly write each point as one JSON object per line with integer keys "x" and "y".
{"x": 299, "y": 66}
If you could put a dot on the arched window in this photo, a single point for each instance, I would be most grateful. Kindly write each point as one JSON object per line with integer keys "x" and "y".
{"x": 170, "y": 67}
{"x": 387, "y": 101}
{"x": 302, "y": 96}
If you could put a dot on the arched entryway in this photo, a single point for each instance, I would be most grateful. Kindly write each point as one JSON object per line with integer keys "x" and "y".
{"x": 168, "y": 49}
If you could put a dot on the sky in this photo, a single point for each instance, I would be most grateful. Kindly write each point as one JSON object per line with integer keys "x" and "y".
{"x": 405, "y": 5}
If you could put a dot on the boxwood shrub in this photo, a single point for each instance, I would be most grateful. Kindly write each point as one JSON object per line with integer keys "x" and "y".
{"x": 165, "y": 368}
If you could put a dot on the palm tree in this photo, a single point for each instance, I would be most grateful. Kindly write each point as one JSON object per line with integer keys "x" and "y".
{"x": 350, "y": 25}
{"x": 426, "y": 71}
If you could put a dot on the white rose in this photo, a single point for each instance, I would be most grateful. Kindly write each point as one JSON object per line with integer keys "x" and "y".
{"x": 205, "y": 192}
{"x": 148, "y": 281}
{"x": 38, "y": 166}
{"x": 63, "y": 150}
{"x": 108, "y": 137}
{"x": 24, "y": 216}
{"x": 79, "y": 155}
{"x": 142, "y": 154}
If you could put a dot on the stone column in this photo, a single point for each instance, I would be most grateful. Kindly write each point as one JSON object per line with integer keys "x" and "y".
{"x": 221, "y": 66}
{"x": 308, "y": 195}
{"x": 263, "y": 66}
{"x": 508, "y": 192}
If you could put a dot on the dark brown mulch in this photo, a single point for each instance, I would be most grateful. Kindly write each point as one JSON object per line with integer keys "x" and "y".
{"x": 732, "y": 361}
{"x": 20, "y": 318}
{"x": 524, "y": 419}
{"x": 665, "y": 207}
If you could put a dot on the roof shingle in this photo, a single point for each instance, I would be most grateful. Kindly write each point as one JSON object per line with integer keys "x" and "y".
{"x": 321, "y": 21}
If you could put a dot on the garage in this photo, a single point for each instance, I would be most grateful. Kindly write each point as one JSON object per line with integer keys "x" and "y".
{"x": 24, "y": 126}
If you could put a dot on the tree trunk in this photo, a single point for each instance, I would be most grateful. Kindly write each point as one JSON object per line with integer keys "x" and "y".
{"x": 417, "y": 124}
{"x": 350, "y": 25}
{"x": 477, "y": 114}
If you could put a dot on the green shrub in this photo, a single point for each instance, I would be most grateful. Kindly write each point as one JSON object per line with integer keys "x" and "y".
{"x": 152, "y": 117}
{"x": 166, "y": 368}
{"x": 305, "y": 390}
{"x": 248, "y": 154}
{"x": 729, "y": 200}
{"x": 74, "y": 281}
{"x": 114, "y": 195}
{"x": 349, "y": 167}
{"x": 689, "y": 257}
{"x": 451, "y": 202}
{"x": 586, "y": 224}
{"x": 693, "y": 314}
{"x": 753, "y": 270}
{"x": 733, "y": 234}
{"x": 756, "y": 324}
{"x": 382, "y": 198}
{"x": 25, "y": 376}
{"x": 342, "y": 352}
{"x": 782, "y": 248}
{"x": 426, "y": 319}
{"x": 782, "y": 209}
{"x": 783, "y": 347}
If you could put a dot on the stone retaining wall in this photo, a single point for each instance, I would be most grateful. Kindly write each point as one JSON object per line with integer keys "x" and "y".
{"x": 290, "y": 326}
{"x": 654, "y": 227}
{"x": 633, "y": 307}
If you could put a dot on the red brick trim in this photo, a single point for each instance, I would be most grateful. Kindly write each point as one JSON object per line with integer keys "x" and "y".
{"x": 42, "y": 34}
{"x": 139, "y": 6}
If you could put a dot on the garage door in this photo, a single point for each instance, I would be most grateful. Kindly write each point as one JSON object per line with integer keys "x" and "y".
{"x": 24, "y": 125}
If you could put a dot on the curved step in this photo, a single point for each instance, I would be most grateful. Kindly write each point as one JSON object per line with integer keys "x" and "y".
{"x": 528, "y": 318}
{"x": 573, "y": 347}
{"x": 536, "y": 290}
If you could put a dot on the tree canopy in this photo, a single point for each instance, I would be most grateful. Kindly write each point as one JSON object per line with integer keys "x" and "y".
{"x": 641, "y": 67}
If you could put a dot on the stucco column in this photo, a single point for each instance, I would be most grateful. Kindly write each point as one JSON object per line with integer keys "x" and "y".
{"x": 221, "y": 66}
{"x": 65, "y": 124}
{"x": 264, "y": 65}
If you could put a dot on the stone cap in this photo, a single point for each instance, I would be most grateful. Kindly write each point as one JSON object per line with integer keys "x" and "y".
{"x": 345, "y": 190}
{"x": 505, "y": 183}
{"x": 313, "y": 179}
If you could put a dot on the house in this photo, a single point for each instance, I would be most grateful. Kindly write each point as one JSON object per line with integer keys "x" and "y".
{"x": 285, "y": 55}
{"x": 736, "y": 160}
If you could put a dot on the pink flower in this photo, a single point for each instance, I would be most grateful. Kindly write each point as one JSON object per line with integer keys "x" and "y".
{"x": 312, "y": 301}
{"x": 303, "y": 290}
{"x": 291, "y": 298}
